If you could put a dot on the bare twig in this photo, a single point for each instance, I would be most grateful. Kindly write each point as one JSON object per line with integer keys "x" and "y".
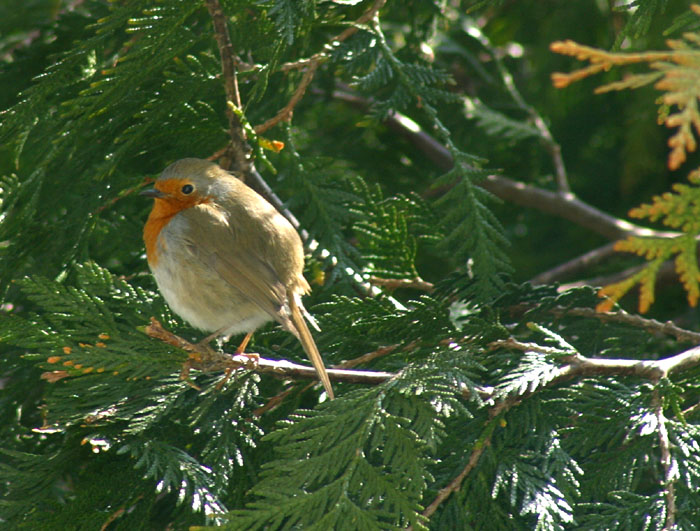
{"x": 576, "y": 265}
{"x": 665, "y": 275}
{"x": 456, "y": 483}
{"x": 286, "y": 112}
{"x": 621, "y": 316}
{"x": 692, "y": 410}
{"x": 205, "y": 359}
{"x": 146, "y": 181}
{"x": 479, "y": 447}
{"x": 581, "y": 366}
{"x": 552, "y": 147}
{"x": 369, "y": 356}
{"x": 311, "y": 64}
{"x": 566, "y": 206}
{"x": 240, "y": 150}
{"x": 393, "y": 283}
{"x": 666, "y": 462}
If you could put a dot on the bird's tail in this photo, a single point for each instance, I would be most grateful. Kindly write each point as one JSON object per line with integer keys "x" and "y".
{"x": 307, "y": 341}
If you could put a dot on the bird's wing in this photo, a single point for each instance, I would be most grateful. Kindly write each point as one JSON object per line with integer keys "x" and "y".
{"x": 218, "y": 244}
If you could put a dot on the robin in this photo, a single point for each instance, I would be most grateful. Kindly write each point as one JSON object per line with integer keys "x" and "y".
{"x": 224, "y": 258}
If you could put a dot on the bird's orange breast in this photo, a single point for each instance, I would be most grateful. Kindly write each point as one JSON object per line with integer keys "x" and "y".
{"x": 160, "y": 216}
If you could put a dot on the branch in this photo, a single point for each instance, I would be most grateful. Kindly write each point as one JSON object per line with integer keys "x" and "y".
{"x": 369, "y": 356}
{"x": 240, "y": 150}
{"x": 286, "y": 112}
{"x": 393, "y": 283}
{"x": 312, "y": 64}
{"x": 495, "y": 414}
{"x": 581, "y": 366}
{"x": 621, "y": 316}
{"x": 665, "y": 275}
{"x": 569, "y": 207}
{"x": 552, "y": 147}
{"x": 203, "y": 358}
{"x": 456, "y": 483}
{"x": 566, "y": 206}
{"x": 206, "y": 359}
{"x": 575, "y": 265}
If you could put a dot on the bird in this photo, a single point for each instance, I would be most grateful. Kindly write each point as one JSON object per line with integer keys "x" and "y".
{"x": 225, "y": 259}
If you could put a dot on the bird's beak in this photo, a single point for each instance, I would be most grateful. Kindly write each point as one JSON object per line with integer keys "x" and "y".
{"x": 152, "y": 192}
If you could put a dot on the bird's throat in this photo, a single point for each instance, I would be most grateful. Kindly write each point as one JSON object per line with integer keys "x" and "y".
{"x": 163, "y": 211}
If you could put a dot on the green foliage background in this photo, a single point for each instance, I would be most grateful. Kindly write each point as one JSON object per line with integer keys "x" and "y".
{"x": 98, "y": 95}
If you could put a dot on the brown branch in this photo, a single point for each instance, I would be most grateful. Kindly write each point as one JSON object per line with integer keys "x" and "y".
{"x": 365, "y": 358}
{"x": 312, "y": 64}
{"x": 456, "y": 483}
{"x": 123, "y": 194}
{"x": 621, "y": 316}
{"x": 479, "y": 446}
{"x": 206, "y": 359}
{"x": 240, "y": 150}
{"x": 692, "y": 410}
{"x": 575, "y": 265}
{"x": 581, "y": 366}
{"x": 286, "y": 112}
{"x": 566, "y": 206}
{"x": 552, "y": 147}
{"x": 393, "y": 283}
{"x": 369, "y": 356}
{"x": 569, "y": 207}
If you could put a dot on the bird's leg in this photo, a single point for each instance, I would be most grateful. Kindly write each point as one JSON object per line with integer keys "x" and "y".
{"x": 240, "y": 351}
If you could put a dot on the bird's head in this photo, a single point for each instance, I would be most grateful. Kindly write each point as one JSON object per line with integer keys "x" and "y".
{"x": 186, "y": 183}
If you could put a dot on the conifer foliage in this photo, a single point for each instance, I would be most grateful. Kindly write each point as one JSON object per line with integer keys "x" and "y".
{"x": 468, "y": 398}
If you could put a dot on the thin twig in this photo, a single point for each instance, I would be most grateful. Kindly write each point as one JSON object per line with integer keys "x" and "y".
{"x": 286, "y": 112}
{"x": 311, "y": 64}
{"x": 621, "y": 316}
{"x": 552, "y": 147}
{"x": 394, "y": 283}
{"x": 369, "y": 356}
{"x": 205, "y": 359}
{"x": 666, "y": 274}
{"x": 565, "y": 206}
{"x": 575, "y": 265}
{"x": 479, "y": 447}
{"x": 456, "y": 483}
{"x": 240, "y": 150}
{"x": 125, "y": 193}
{"x": 666, "y": 462}
{"x": 581, "y": 366}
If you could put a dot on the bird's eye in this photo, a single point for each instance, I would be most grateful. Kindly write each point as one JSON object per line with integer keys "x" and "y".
{"x": 187, "y": 189}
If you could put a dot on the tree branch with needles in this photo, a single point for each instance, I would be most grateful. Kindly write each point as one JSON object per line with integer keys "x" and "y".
{"x": 561, "y": 203}
{"x": 581, "y": 367}
{"x": 311, "y": 64}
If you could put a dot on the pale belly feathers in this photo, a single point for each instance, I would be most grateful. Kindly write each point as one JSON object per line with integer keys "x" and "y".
{"x": 195, "y": 292}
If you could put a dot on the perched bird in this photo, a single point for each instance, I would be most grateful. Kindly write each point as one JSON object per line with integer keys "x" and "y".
{"x": 224, "y": 258}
